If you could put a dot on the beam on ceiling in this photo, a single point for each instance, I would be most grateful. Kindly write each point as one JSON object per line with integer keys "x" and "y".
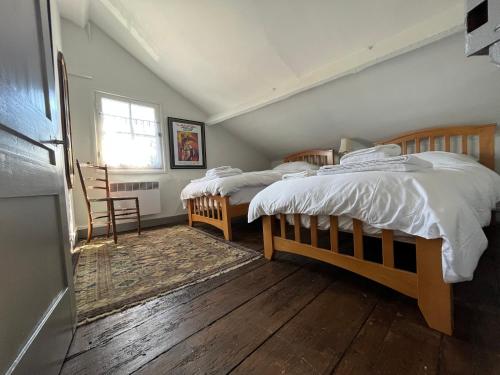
{"x": 434, "y": 28}
{"x": 77, "y": 11}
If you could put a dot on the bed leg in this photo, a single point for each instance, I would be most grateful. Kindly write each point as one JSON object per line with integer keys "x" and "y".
{"x": 190, "y": 212}
{"x": 267, "y": 227}
{"x": 435, "y": 298}
{"x": 226, "y": 220}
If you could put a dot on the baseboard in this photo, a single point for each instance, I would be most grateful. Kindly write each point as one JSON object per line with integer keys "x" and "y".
{"x": 145, "y": 223}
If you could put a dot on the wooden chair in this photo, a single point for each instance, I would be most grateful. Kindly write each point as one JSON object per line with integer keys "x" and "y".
{"x": 100, "y": 181}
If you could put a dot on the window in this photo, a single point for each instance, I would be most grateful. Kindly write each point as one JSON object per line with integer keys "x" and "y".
{"x": 128, "y": 133}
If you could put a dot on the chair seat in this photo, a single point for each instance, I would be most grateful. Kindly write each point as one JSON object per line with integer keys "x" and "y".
{"x": 117, "y": 216}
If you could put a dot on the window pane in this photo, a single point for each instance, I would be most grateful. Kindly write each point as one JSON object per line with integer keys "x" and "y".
{"x": 141, "y": 112}
{"x": 115, "y": 124}
{"x": 129, "y": 142}
{"x": 147, "y": 149}
{"x": 115, "y": 149}
{"x": 144, "y": 120}
{"x": 115, "y": 107}
{"x": 145, "y": 127}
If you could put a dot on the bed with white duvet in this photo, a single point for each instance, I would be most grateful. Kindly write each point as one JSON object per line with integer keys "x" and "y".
{"x": 241, "y": 188}
{"x": 225, "y": 192}
{"x": 452, "y": 200}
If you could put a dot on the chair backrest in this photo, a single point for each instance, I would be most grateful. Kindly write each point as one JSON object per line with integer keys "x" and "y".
{"x": 98, "y": 181}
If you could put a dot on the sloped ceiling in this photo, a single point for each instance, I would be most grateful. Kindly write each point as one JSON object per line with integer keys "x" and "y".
{"x": 432, "y": 86}
{"x": 234, "y": 56}
{"x": 77, "y": 11}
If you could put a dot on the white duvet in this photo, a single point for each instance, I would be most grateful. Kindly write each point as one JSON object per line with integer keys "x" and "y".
{"x": 230, "y": 185}
{"x": 452, "y": 201}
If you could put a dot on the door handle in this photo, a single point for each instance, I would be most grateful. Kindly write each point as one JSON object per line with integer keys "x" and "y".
{"x": 56, "y": 142}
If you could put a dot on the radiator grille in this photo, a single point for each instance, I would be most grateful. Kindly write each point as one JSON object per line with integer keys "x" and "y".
{"x": 148, "y": 193}
{"x": 133, "y": 186}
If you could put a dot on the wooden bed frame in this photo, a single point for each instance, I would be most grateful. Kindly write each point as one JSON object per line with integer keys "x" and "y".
{"x": 217, "y": 211}
{"x": 426, "y": 284}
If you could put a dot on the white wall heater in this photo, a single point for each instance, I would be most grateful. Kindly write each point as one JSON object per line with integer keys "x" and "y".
{"x": 148, "y": 193}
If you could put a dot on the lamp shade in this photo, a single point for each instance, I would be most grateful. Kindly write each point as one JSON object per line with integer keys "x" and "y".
{"x": 345, "y": 145}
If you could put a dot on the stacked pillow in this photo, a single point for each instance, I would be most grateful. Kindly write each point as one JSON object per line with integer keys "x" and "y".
{"x": 296, "y": 166}
{"x": 372, "y": 153}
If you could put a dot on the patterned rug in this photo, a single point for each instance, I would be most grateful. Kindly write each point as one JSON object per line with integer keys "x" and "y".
{"x": 112, "y": 277}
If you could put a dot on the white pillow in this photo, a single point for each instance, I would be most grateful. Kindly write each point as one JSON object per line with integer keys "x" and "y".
{"x": 442, "y": 158}
{"x": 296, "y": 166}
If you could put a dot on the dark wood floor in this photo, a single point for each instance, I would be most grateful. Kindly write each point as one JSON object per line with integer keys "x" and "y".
{"x": 295, "y": 316}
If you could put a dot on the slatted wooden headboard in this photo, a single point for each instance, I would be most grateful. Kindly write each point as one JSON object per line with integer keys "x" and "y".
{"x": 433, "y": 139}
{"x": 317, "y": 157}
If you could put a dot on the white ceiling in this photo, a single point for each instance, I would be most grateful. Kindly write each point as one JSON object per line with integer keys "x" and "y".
{"x": 435, "y": 85}
{"x": 234, "y": 56}
{"x": 76, "y": 11}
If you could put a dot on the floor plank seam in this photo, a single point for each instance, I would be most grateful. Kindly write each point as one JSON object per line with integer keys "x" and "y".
{"x": 281, "y": 326}
{"x": 361, "y": 326}
{"x": 219, "y": 318}
{"x": 250, "y": 269}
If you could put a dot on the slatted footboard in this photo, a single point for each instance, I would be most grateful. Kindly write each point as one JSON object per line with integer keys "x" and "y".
{"x": 216, "y": 211}
{"x": 426, "y": 284}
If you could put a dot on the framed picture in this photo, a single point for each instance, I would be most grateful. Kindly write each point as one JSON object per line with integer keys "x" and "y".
{"x": 65, "y": 120}
{"x": 187, "y": 144}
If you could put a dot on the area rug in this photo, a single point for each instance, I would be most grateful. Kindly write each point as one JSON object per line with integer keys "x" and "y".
{"x": 112, "y": 277}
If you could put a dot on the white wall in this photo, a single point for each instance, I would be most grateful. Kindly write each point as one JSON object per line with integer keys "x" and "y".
{"x": 433, "y": 85}
{"x": 111, "y": 69}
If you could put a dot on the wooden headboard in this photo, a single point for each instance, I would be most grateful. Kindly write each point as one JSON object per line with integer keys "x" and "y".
{"x": 442, "y": 139}
{"x": 317, "y": 157}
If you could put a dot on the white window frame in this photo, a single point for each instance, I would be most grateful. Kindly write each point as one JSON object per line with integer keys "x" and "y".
{"x": 101, "y": 94}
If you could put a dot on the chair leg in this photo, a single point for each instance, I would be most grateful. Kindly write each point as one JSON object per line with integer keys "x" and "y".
{"x": 113, "y": 220}
{"x": 138, "y": 216}
{"x": 89, "y": 232}
{"x": 109, "y": 220}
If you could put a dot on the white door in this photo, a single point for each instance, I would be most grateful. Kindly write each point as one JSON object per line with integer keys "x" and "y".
{"x": 36, "y": 292}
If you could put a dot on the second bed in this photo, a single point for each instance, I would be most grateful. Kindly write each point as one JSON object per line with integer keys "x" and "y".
{"x": 218, "y": 201}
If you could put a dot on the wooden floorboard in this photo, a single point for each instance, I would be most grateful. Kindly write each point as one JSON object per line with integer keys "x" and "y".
{"x": 133, "y": 348}
{"x": 393, "y": 340}
{"x": 410, "y": 349}
{"x": 459, "y": 357}
{"x": 222, "y": 345}
{"x": 315, "y": 339}
{"x": 295, "y": 316}
{"x": 101, "y": 331}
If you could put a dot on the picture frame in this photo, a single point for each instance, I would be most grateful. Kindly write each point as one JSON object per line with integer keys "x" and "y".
{"x": 186, "y": 144}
